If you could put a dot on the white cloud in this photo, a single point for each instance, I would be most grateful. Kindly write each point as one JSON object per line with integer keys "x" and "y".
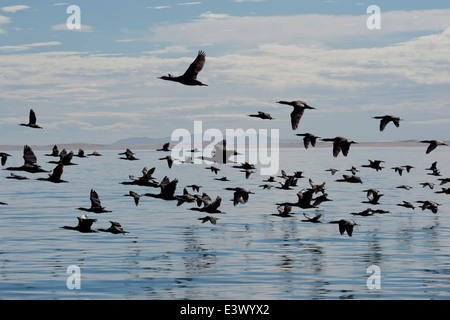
{"x": 189, "y": 3}
{"x": 305, "y": 29}
{"x": 63, "y": 27}
{"x": 29, "y": 45}
{"x": 14, "y": 8}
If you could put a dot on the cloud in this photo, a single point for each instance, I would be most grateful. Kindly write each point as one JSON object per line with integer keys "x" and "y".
{"x": 29, "y": 46}
{"x": 189, "y": 3}
{"x": 305, "y": 29}
{"x": 14, "y": 8}
{"x": 63, "y": 27}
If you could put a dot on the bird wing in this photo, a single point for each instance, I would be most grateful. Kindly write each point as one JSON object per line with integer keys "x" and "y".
{"x": 95, "y": 200}
{"x": 296, "y": 115}
{"x": 57, "y": 172}
{"x": 196, "y": 66}
{"x": 383, "y": 123}
{"x": 216, "y": 203}
{"x": 32, "y": 117}
{"x": 29, "y": 156}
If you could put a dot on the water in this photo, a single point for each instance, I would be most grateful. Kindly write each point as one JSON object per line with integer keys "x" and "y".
{"x": 248, "y": 254}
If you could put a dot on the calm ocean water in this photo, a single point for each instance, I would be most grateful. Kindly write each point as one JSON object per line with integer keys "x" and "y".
{"x": 248, "y": 254}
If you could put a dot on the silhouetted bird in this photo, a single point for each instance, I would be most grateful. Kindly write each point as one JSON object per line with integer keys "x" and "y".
{"x": 129, "y": 155}
{"x": 16, "y": 176}
{"x": 135, "y": 196}
{"x": 304, "y": 199}
{"x": 399, "y": 170}
{"x": 350, "y": 179}
{"x": 404, "y": 187}
{"x": 115, "y": 228}
{"x": 211, "y": 219}
{"x": 222, "y": 179}
{"x": 262, "y": 115}
{"x": 270, "y": 179}
{"x": 433, "y": 144}
{"x": 145, "y": 180}
{"x": 84, "y": 224}
{"x": 31, "y": 121}
{"x": 55, "y": 175}
{"x": 384, "y": 120}
{"x": 30, "y": 162}
{"x": 266, "y": 186}
{"x": 209, "y": 205}
{"x": 340, "y": 144}
{"x": 165, "y": 147}
{"x": 444, "y": 180}
{"x": 444, "y": 190}
{"x": 167, "y": 189}
{"x": 345, "y": 226}
{"x": 96, "y": 205}
{"x": 406, "y": 204}
{"x": 169, "y": 160}
{"x": 408, "y": 168}
{"x": 189, "y": 78}
{"x": 195, "y": 187}
{"x": 364, "y": 213}
{"x": 429, "y": 205}
{"x": 247, "y": 173}
{"x": 245, "y": 165}
{"x": 297, "y": 113}
{"x": 213, "y": 169}
{"x": 80, "y": 154}
{"x": 284, "y": 211}
{"x": 185, "y": 197}
{"x": 374, "y": 164}
{"x": 66, "y": 158}
{"x": 308, "y": 139}
{"x": 4, "y": 157}
{"x": 240, "y": 195}
{"x": 95, "y": 154}
{"x": 332, "y": 170}
{"x": 427, "y": 184}
{"x": 312, "y": 219}
{"x": 55, "y": 152}
{"x": 373, "y": 196}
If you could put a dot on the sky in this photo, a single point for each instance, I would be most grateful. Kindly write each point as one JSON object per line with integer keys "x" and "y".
{"x": 99, "y": 84}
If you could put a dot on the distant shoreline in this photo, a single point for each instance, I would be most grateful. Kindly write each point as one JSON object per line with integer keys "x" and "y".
{"x": 95, "y": 147}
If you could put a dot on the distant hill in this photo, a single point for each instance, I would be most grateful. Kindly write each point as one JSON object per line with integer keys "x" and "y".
{"x": 141, "y": 141}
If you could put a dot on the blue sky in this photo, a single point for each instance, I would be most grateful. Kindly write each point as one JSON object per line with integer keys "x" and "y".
{"x": 99, "y": 84}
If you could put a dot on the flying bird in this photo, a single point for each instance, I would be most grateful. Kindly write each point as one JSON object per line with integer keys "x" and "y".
{"x": 240, "y": 195}
{"x": 284, "y": 211}
{"x": 209, "y": 205}
{"x": 345, "y": 226}
{"x": 340, "y": 144}
{"x": 84, "y": 224}
{"x": 55, "y": 174}
{"x": 4, "y": 157}
{"x": 312, "y": 219}
{"x": 135, "y": 196}
{"x": 308, "y": 139}
{"x": 129, "y": 155}
{"x": 384, "y": 120}
{"x": 189, "y": 78}
{"x": 115, "y": 228}
{"x": 262, "y": 115}
{"x": 165, "y": 147}
{"x": 211, "y": 219}
{"x": 96, "y": 205}
{"x": 31, "y": 121}
{"x": 297, "y": 113}
{"x": 30, "y": 162}
{"x": 432, "y": 144}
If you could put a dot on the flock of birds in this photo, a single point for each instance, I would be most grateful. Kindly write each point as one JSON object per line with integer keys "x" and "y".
{"x": 308, "y": 198}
